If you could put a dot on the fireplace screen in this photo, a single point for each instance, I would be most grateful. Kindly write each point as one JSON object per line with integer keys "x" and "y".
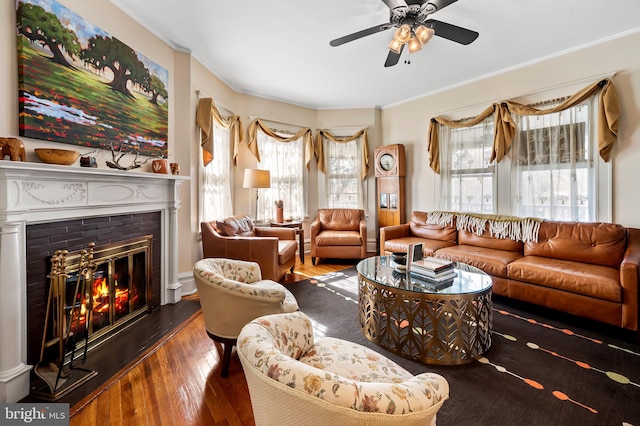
{"x": 118, "y": 292}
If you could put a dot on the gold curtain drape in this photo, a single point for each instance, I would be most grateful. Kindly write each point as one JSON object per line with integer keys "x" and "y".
{"x": 505, "y": 126}
{"x": 206, "y": 112}
{"x": 319, "y": 148}
{"x": 258, "y": 124}
{"x": 434, "y": 143}
{"x": 608, "y": 112}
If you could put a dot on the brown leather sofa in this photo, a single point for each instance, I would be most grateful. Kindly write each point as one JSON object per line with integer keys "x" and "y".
{"x": 235, "y": 237}
{"x": 339, "y": 234}
{"x": 585, "y": 269}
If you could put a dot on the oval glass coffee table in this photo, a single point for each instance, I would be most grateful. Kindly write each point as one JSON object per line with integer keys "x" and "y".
{"x": 409, "y": 317}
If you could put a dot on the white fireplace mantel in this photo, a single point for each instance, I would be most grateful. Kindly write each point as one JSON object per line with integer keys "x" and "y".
{"x": 39, "y": 193}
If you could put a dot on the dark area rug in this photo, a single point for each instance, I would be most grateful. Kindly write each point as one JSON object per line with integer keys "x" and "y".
{"x": 544, "y": 367}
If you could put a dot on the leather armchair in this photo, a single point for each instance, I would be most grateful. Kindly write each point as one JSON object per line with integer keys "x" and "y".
{"x": 339, "y": 233}
{"x": 235, "y": 237}
{"x": 232, "y": 293}
{"x": 296, "y": 378}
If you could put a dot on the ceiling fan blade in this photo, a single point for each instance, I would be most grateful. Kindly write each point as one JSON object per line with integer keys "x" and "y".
{"x": 346, "y": 39}
{"x": 393, "y": 57}
{"x": 441, "y": 4}
{"x": 394, "y": 4}
{"x": 452, "y": 32}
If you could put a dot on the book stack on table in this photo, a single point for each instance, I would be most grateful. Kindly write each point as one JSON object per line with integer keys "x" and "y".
{"x": 433, "y": 271}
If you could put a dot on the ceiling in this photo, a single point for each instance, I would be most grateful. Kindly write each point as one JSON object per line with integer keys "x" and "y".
{"x": 280, "y": 49}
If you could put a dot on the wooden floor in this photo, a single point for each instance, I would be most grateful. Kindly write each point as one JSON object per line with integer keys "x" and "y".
{"x": 180, "y": 383}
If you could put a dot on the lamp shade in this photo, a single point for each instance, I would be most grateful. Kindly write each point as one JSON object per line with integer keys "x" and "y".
{"x": 414, "y": 45}
{"x": 256, "y": 178}
{"x": 424, "y": 34}
{"x": 402, "y": 34}
{"x": 395, "y": 46}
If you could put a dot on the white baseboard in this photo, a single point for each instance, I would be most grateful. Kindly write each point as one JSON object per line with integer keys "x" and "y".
{"x": 188, "y": 283}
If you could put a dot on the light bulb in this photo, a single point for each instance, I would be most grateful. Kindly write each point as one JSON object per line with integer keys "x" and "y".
{"x": 414, "y": 45}
{"x": 424, "y": 34}
{"x": 395, "y": 46}
{"x": 402, "y": 34}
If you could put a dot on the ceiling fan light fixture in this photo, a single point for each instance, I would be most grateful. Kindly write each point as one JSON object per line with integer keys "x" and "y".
{"x": 402, "y": 34}
{"x": 424, "y": 34}
{"x": 395, "y": 46}
{"x": 414, "y": 45}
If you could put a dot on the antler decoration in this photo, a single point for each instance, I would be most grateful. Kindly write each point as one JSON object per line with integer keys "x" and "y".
{"x": 115, "y": 164}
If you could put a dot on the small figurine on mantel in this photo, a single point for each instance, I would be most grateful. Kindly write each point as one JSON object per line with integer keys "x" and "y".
{"x": 117, "y": 156}
{"x": 12, "y": 147}
{"x": 89, "y": 160}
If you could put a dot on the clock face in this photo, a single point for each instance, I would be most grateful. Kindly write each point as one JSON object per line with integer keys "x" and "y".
{"x": 387, "y": 162}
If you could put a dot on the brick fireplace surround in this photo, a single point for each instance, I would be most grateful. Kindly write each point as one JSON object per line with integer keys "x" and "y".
{"x": 35, "y": 193}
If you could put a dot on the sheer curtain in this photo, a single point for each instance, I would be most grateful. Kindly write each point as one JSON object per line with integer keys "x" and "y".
{"x": 216, "y": 194}
{"x": 286, "y": 162}
{"x": 552, "y": 165}
{"x": 344, "y": 163}
{"x": 467, "y": 177}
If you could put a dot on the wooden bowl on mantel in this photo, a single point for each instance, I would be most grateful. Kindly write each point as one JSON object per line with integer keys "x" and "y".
{"x": 64, "y": 157}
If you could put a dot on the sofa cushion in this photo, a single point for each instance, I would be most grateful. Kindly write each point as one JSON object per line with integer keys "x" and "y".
{"x": 340, "y": 219}
{"x": 428, "y": 246}
{"x": 338, "y": 238}
{"x": 286, "y": 250}
{"x": 486, "y": 240}
{"x": 601, "y": 282}
{"x": 420, "y": 228}
{"x": 235, "y": 225}
{"x": 493, "y": 262}
{"x": 595, "y": 243}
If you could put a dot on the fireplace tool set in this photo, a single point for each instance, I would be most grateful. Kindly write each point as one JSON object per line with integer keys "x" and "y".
{"x": 62, "y": 327}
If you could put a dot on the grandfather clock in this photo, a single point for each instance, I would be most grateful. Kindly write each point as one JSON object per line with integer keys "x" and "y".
{"x": 390, "y": 174}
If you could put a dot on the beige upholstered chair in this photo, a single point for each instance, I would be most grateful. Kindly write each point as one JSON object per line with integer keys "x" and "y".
{"x": 236, "y": 237}
{"x": 296, "y": 380}
{"x": 339, "y": 233}
{"x": 232, "y": 293}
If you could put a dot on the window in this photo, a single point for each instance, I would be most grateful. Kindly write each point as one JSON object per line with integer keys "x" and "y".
{"x": 554, "y": 164}
{"x": 468, "y": 180}
{"x": 285, "y": 161}
{"x": 344, "y": 187}
{"x": 216, "y": 193}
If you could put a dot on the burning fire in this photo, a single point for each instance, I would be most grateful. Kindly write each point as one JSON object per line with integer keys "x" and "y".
{"x": 101, "y": 303}
{"x": 101, "y": 300}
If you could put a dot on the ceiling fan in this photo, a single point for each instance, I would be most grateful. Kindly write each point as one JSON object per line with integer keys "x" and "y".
{"x": 414, "y": 29}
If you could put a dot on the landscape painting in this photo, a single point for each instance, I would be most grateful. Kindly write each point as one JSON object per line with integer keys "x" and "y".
{"x": 81, "y": 86}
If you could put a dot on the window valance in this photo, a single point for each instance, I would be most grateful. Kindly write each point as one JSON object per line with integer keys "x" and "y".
{"x": 319, "y": 148}
{"x": 206, "y": 113}
{"x": 505, "y": 126}
{"x": 258, "y": 124}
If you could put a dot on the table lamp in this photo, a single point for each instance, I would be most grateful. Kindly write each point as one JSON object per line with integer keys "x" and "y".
{"x": 256, "y": 178}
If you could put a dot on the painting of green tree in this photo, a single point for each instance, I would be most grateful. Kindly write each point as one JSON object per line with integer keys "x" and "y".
{"x": 79, "y": 85}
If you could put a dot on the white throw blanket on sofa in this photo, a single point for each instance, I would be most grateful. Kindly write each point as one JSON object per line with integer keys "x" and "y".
{"x": 500, "y": 226}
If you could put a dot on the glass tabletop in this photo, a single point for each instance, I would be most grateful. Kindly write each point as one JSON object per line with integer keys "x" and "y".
{"x": 382, "y": 270}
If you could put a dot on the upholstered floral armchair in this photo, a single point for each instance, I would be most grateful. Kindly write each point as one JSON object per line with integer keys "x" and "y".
{"x": 232, "y": 293}
{"x": 294, "y": 379}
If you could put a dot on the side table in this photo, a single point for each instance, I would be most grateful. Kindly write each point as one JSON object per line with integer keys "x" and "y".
{"x": 297, "y": 225}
